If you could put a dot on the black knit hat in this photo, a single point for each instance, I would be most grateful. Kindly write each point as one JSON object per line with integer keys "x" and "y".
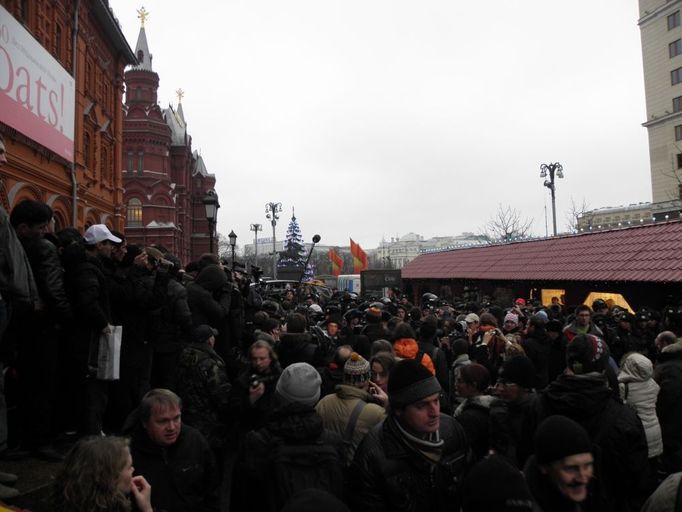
{"x": 202, "y": 333}
{"x": 409, "y": 382}
{"x": 587, "y": 353}
{"x": 558, "y": 437}
{"x": 494, "y": 485}
{"x": 518, "y": 370}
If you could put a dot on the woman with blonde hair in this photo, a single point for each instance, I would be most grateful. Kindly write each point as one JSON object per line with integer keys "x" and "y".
{"x": 97, "y": 476}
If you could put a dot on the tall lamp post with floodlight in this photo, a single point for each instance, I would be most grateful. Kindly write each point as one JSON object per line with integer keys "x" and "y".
{"x": 233, "y": 243}
{"x": 552, "y": 170}
{"x": 211, "y": 204}
{"x": 255, "y": 228}
{"x": 271, "y": 211}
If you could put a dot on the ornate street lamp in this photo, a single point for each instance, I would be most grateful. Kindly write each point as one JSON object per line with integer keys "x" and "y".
{"x": 211, "y": 203}
{"x": 552, "y": 169}
{"x": 255, "y": 228}
{"x": 233, "y": 243}
{"x": 271, "y": 211}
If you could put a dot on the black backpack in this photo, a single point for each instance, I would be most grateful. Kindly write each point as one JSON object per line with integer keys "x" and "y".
{"x": 297, "y": 467}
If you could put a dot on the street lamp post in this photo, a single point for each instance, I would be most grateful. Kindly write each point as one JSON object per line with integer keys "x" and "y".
{"x": 271, "y": 211}
{"x": 316, "y": 239}
{"x": 211, "y": 204}
{"x": 552, "y": 169}
{"x": 255, "y": 228}
{"x": 233, "y": 243}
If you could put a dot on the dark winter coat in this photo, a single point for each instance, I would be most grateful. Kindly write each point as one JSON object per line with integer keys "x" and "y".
{"x": 88, "y": 293}
{"x": 172, "y": 323}
{"x": 204, "y": 387}
{"x": 49, "y": 278}
{"x": 511, "y": 427}
{"x": 556, "y": 362}
{"x": 537, "y": 347}
{"x": 183, "y": 476}
{"x": 209, "y": 297}
{"x": 254, "y": 478}
{"x": 298, "y": 348}
{"x": 612, "y": 426}
{"x": 474, "y": 416}
{"x": 251, "y": 417}
{"x": 668, "y": 375}
{"x": 388, "y": 474}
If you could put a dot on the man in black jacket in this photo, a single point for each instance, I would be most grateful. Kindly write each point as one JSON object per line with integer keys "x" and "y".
{"x": 38, "y": 331}
{"x": 668, "y": 375}
{"x": 583, "y": 394}
{"x": 416, "y": 458}
{"x": 174, "y": 458}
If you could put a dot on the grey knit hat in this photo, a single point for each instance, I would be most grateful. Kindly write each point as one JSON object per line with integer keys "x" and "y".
{"x": 299, "y": 383}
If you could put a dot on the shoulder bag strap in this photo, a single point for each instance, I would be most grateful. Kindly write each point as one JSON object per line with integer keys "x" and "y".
{"x": 350, "y": 427}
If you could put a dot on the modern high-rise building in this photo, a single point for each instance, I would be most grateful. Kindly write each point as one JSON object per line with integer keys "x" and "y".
{"x": 660, "y": 23}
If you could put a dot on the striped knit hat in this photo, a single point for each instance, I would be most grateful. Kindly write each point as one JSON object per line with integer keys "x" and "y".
{"x": 356, "y": 370}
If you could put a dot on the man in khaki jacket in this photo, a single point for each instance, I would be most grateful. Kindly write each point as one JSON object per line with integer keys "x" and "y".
{"x": 352, "y": 410}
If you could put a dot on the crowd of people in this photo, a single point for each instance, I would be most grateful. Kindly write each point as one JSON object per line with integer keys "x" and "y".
{"x": 229, "y": 398}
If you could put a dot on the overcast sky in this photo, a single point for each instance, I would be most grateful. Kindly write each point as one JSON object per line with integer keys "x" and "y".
{"x": 380, "y": 117}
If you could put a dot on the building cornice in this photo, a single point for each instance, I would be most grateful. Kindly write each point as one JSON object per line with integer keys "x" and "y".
{"x": 663, "y": 118}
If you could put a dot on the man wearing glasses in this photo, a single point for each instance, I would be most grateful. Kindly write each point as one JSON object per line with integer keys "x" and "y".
{"x": 512, "y": 414}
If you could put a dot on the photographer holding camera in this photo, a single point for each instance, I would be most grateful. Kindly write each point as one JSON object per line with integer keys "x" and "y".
{"x": 253, "y": 392}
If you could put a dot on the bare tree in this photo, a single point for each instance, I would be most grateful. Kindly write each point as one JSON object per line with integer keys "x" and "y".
{"x": 506, "y": 225}
{"x": 575, "y": 211}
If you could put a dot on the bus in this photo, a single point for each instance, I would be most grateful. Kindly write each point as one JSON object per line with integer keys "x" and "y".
{"x": 349, "y": 283}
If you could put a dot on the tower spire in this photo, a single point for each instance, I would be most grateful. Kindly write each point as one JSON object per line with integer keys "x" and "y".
{"x": 144, "y": 58}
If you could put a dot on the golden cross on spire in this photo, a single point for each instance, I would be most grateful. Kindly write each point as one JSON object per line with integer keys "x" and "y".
{"x": 180, "y": 94}
{"x": 143, "y": 14}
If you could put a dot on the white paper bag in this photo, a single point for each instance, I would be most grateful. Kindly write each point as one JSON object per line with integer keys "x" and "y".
{"x": 109, "y": 354}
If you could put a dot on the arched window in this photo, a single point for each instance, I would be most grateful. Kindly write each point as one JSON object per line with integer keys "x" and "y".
{"x": 134, "y": 212}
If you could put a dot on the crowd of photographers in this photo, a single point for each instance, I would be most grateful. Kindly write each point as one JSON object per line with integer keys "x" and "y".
{"x": 232, "y": 395}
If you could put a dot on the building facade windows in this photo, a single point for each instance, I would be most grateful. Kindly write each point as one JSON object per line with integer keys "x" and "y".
{"x": 675, "y": 48}
{"x": 130, "y": 167}
{"x": 676, "y": 76}
{"x": 134, "y": 217}
{"x": 86, "y": 150}
{"x": 674, "y": 20}
{"x": 677, "y": 104}
{"x": 679, "y": 160}
{"x": 140, "y": 163}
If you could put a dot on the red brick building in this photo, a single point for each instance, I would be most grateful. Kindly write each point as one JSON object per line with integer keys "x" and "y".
{"x": 82, "y": 43}
{"x": 164, "y": 181}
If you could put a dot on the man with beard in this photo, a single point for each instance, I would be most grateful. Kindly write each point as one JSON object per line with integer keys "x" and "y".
{"x": 582, "y": 394}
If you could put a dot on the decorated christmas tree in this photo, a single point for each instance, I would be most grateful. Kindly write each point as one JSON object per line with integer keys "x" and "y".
{"x": 293, "y": 257}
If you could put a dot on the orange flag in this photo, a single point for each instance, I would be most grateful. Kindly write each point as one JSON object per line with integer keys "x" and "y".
{"x": 337, "y": 262}
{"x": 359, "y": 257}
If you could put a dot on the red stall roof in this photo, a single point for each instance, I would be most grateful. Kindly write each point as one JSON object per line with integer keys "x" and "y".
{"x": 650, "y": 253}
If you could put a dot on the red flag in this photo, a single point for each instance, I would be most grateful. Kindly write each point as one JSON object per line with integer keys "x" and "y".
{"x": 360, "y": 262}
{"x": 337, "y": 262}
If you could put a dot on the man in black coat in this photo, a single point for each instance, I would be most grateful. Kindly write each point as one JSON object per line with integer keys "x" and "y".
{"x": 296, "y": 346}
{"x": 668, "y": 375}
{"x": 174, "y": 458}
{"x": 38, "y": 331}
{"x": 89, "y": 295}
{"x": 415, "y": 458}
{"x": 293, "y": 452}
{"x": 583, "y": 394}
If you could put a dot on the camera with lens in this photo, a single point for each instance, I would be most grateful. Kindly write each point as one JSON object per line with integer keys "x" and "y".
{"x": 256, "y": 379}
